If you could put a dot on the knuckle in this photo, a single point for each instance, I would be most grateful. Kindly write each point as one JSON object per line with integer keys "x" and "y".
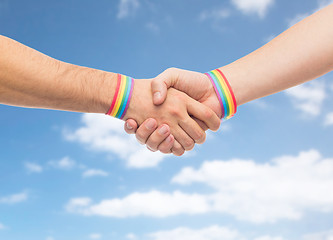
{"x": 177, "y": 150}
{"x": 188, "y": 144}
{"x": 208, "y": 113}
{"x": 174, "y": 112}
{"x": 216, "y": 125}
{"x": 180, "y": 153}
{"x": 171, "y": 69}
{"x": 140, "y": 136}
{"x": 200, "y": 136}
{"x": 164, "y": 150}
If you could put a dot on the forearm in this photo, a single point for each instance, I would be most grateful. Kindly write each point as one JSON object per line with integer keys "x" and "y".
{"x": 29, "y": 78}
{"x": 302, "y": 53}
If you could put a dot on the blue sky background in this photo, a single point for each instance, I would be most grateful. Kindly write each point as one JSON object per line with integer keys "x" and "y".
{"x": 267, "y": 175}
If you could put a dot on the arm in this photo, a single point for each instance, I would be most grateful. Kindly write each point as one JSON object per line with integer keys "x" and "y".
{"x": 29, "y": 78}
{"x": 300, "y": 54}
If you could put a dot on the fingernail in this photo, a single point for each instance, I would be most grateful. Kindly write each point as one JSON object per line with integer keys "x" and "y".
{"x": 157, "y": 95}
{"x": 163, "y": 130}
{"x": 150, "y": 124}
{"x": 128, "y": 126}
{"x": 151, "y": 149}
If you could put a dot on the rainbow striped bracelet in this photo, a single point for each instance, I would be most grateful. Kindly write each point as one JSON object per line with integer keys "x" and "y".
{"x": 224, "y": 93}
{"x": 122, "y": 97}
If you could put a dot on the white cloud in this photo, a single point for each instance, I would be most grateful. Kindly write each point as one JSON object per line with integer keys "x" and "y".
{"x": 2, "y": 226}
{"x": 268, "y": 238}
{"x": 127, "y": 8}
{"x": 14, "y": 198}
{"x": 105, "y": 134}
{"x": 308, "y": 97}
{"x": 328, "y": 235}
{"x": 49, "y": 238}
{"x": 258, "y": 7}
{"x": 284, "y": 188}
{"x": 65, "y": 163}
{"x": 215, "y": 14}
{"x": 33, "y": 167}
{"x": 153, "y": 203}
{"x": 131, "y": 236}
{"x": 95, "y": 236}
{"x": 153, "y": 27}
{"x": 94, "y": 172}
{"x": 209, "y": 233}
{"x": 329, "y": 119}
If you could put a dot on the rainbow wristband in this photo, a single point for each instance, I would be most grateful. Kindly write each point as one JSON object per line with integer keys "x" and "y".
{"x": 224, "y": 93}
{"x": 122, "y": 97}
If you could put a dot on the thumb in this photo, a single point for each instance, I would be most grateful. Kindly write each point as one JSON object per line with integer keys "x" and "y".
{"x": 160, "y": 85}
{"x": 130, "y": 126}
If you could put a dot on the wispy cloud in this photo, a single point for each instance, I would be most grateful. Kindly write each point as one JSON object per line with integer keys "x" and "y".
{"x": 33, "y": 167}
{"x": 327, "y": 235}
{"x": 258, "y": 7}
{"x": 210, "y": 233}
{"x": 2, "y": 226}
{"x": 95, "y": 236}
{"x": 214, "y": 232}
{"x": 66, "y": 163}
{"x": 94, "y": 173}
{"x": 308, "y": 97}
{"x": 127, "y": 8}
{"x": 299, "y": 17}
{"x": 267, "y": 192}
{"x": 267, "y": 237}
{"x": 329, "y": 119}
{"x": 214, "y": 14}
{"x": 249, "y": 191}
{"x": 131, "y": 236}
{"x": 105, "y": 134}
{"x": 140, "y": 204}
{"x": 14, "y": 198}
{"x": 153, "y": 27}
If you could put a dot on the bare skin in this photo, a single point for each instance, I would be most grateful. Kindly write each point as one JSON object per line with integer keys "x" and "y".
{"x": 31, "y": 79}
{"x": 300, "y": 54}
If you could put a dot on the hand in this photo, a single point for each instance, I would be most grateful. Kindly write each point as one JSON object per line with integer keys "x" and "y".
{"x": 196, "y": 85}
{"x": 176, "y": 112}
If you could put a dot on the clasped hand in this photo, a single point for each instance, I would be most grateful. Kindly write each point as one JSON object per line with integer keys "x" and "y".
{"x": 173, "y": 111}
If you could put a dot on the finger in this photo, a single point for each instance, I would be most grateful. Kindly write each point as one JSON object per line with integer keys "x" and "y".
{"x": 204, "y": 114}
{"x": 183, "y": 138}
{"x": 193, "y": 130}
{"x": 158, "y": 136}
{"x": 160, "y": 85}
{"x": 145, "y": 130}
{"x": 177, "y": 149}
{"x": 130, "y": 126}
{"x": 167, "y": 144}
{"x": 201, "y": 124}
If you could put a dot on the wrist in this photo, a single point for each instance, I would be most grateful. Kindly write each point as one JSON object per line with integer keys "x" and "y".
{"x": 224, "y": 93}
{"x": 141, "y": 98}
{"x": 121, "y": 97}
{"x": 235, "y": 81}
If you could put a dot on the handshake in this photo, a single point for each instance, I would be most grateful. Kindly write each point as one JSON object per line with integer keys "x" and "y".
{"x": 173, "y": 109}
